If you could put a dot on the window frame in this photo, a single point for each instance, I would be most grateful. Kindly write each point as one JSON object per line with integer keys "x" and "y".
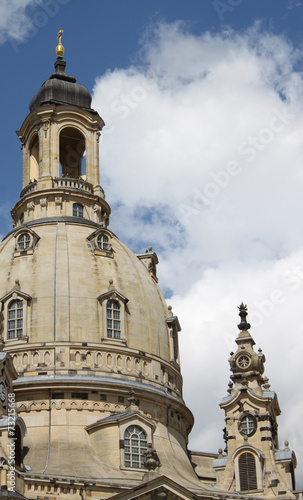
{"x": 25, "y": 243}
{"x": 32, "y": 239}
{"x": 259, "y": 460}
{"x": 15, "y": 312}
{"x": 113, "y": 317}
{"x": 147, "y": 426}
{"x": 103, "y": 300}
{"x": 76, "y": 207}
{"x": 15, "y": 295}
{"x": 134, "y": 444}
{"x": 253, "y": 420}
{"x": 103, "y": 242}
{"x": 18, "y": 445}
{"x": 99, "y": 249}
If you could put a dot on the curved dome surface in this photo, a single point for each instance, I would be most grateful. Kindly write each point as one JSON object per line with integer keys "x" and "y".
{"x": 73, "y": 277}
{"x": 67, "y": 291}
{"x": 61, "y": 88}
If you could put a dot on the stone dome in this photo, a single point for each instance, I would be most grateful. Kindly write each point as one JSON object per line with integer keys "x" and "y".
{"x": 67, "y": 293}
{"x": 92, "y": 340}
{"x": 61, "y": 88}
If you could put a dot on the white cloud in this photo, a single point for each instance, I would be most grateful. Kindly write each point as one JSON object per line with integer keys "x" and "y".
{"x": 202, "y": 156}
{"x": 15, "y": 20}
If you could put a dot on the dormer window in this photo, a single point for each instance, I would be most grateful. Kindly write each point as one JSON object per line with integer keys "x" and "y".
{"x": 135, "y": 445}
{"x": 23, "y": 241}
{"x": 15, "y": 306}
{"x": 15, "y": 319}
{"x": 26, "y": 240}
{"x": 77, "y": 210}
{"x": 102, "y": 242}
{"x": 113, "y": 319}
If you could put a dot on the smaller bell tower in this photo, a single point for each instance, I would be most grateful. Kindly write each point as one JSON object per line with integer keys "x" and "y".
{"x": 252, "y": 461}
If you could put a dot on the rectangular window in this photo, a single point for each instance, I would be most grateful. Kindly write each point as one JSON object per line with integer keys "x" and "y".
{"x": 58, "y": 395}
{"x": 79, "y": 395}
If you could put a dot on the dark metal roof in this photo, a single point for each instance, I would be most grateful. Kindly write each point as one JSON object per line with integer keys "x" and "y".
{"x": 61, "y": 88}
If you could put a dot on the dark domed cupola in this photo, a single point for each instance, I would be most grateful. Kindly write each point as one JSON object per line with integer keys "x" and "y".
{"x": 61, "y": 88}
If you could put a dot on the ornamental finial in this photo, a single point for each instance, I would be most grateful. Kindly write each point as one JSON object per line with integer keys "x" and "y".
{"x": 60, "y": 48}
{"x": 243, "y": 313}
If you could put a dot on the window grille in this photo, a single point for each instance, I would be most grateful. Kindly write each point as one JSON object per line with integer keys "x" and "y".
{"x": 102, "y": 242}
{"x": 15, "y": 319}
{"x": 77, "y": 210}
{"x": 113, "y": 319}
{"x": 24, "y": 241}
{"x": 248, "y": 425}
{"x": 135, "y": 445}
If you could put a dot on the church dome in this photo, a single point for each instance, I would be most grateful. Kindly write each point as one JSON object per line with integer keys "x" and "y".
{"x": 61, "y": 88}
{"x": 92, "y": 339}
{"x": 94, "y": 296}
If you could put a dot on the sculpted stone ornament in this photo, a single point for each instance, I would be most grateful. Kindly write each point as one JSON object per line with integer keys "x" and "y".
{"x": 243, "y": 313}
{"x": 133, "y": 401}
{"x": 151, "y": 460}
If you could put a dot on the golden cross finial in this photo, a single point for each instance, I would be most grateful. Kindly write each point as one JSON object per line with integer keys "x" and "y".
{"x": 60, "y": 48}
{"x": 60, "y": 36}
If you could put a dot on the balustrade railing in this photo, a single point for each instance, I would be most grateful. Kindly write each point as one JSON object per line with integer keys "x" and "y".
{"x": 71, "y": 183}
{"x": 61, "y": 182}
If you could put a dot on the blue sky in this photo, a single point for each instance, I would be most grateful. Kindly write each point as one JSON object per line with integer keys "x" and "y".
{"x": 201, "y": 158}
{"x": 100, "y": 35}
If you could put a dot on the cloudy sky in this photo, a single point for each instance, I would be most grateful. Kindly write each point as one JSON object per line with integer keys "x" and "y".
{"x": 201, "y": 158}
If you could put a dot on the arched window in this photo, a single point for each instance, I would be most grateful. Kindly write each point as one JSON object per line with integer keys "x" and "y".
{"x": 113, "y": 319}
{"x": 134, "y": 446}
{"x": 77, "y": 210}
{"x": 247, "y": 472}
{"x": 102, "y": 242}
{"x": 71, "y": 151}
{"x": 18, "y": 446}
{"x": 15, "y": 319}
{"x": 34, "y": 159}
